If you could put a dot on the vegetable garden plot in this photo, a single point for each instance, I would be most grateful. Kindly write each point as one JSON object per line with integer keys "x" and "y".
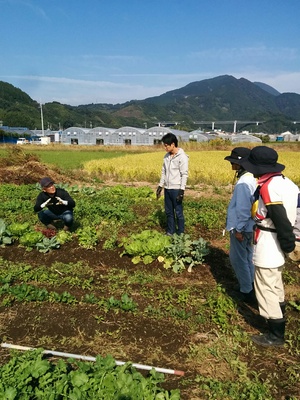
{"x": 85, "y": 297}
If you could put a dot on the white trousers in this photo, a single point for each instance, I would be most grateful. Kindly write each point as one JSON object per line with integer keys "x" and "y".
{"x": 269, "y": 291}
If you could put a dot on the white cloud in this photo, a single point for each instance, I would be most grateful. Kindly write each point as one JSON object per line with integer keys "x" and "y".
{"x": 247, "y": 54}
{"x": 78, "y": 91}
{"x": 282, "y": 81}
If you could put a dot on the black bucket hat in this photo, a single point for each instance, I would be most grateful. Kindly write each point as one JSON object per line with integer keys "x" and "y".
{"x": 237, "y": 154}
{"x": 262, "y": 160}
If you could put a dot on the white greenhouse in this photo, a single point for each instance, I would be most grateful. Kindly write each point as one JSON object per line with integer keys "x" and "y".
{"x": 128, "y": 135}
{"x": 244, "y": 138}
{"x": 74, "y": 135}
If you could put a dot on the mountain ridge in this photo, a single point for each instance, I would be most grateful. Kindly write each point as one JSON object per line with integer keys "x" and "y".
{"x": 222, "y": 98}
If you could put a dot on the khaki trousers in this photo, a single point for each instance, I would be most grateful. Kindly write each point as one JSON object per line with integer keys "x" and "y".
{"x": 269, "y": 291}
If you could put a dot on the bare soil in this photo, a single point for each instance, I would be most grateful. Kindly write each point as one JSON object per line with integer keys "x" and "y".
{"x": 129, "y": 336}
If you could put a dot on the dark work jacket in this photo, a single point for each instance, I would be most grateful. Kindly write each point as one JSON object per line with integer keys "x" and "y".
{"x": 53, "y": 205}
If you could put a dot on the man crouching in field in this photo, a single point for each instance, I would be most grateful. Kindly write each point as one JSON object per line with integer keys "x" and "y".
{"x": 58, "y": 202}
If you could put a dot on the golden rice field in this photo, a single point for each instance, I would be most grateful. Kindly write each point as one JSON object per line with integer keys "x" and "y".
{"x": 205, "y": 167}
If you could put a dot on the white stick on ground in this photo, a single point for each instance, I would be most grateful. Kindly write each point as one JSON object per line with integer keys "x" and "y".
{"x": 89, "y": 358}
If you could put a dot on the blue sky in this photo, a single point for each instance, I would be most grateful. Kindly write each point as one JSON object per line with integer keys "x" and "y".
{"x": 111, "y": 51}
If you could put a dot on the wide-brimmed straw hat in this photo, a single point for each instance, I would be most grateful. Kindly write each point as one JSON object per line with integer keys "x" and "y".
{"x": 237, "y": 154}
{"x": 262, "y": 160}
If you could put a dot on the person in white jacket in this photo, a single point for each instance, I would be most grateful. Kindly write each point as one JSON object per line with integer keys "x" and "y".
{"x": 274, "y": 238}
{"x": 173, "y": 179}
{"x": 295, "y": 254}
{"x": 240, "y": 225}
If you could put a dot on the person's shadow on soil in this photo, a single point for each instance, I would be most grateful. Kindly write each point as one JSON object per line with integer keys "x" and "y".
{"x": 224, "y": 275}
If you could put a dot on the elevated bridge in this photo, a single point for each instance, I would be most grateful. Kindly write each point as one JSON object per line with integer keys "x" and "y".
{"x": 212, "y": 123}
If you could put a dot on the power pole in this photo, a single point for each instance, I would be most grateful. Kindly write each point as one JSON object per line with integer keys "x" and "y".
{"x": 42, "y": 119}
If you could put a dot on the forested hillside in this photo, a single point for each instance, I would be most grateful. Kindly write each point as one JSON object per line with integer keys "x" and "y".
{"x": 223, "y": 98}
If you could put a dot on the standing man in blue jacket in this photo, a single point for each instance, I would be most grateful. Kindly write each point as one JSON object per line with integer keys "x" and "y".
{"x": 240, "y": 225}
{"x": 173, "y": 179}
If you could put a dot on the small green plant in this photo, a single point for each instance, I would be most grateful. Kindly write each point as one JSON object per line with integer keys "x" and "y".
{"x": 222, "y": 308}
{"x": 87, "y": 237}
{"x": 88, "y": 191}
{"x": 30, "y": 239}
{"x": 234, "y": 390}
{"x": 18, "y": 229}
{"x": 48, "y": 244}
{"x": 64, "y": 297}
{"x": 145, "y": 246}
{"x": 111, "y": 242}
{"x": 63, "y": 237}
{"x": 126, "y": 303}
{"x": 108, "y": 232}
{"x": 184, "y": 252}
{"x": 295, "y": 305}
{"x": 292, "y": 337}
{"x": 288, "y": 277}
{"x": 154, "y": 311}
{"x": 22, "y": 292}
{"x": 5, "y": 237}
{"x": 180, "y": 313}
{"x": 90, "y": 298}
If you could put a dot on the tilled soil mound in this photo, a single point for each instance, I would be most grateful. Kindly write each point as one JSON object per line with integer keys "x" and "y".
{"x": 23, "y": 169}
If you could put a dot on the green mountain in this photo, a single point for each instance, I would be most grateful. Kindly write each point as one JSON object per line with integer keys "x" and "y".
{"x": 223, "y": 98}
{"x": 267, "y": 88}
{"x": 16, "y": 107}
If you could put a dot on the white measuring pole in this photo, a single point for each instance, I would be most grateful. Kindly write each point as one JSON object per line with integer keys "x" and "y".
{"x": 89, "y": 358}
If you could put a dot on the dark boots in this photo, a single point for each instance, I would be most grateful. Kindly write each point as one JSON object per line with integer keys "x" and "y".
{"x": 249, "y": 298}
{"x": 275, "y": 336}
{"x": 282, "y": 307}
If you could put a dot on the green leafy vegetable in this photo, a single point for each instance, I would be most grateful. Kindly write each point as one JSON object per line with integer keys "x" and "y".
{"x": 63, "y": 237}
{"x": 18, "y": 229}
{"x": 30, "y": 239}
{"x": 30, "y": 376}
{"x": 5, "y": 237}
{"x": 145, "y": 246}
{"x": 47, "y": 244}
{"x": 184, "y": 252}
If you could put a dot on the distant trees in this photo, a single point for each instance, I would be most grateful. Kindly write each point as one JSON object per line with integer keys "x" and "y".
{"x": 264, "y": 138}
{"x": 10, "y": 136}
{"x": 18, "y": 118}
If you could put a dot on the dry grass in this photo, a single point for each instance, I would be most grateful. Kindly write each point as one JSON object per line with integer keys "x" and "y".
{"x": 208, "y": 167}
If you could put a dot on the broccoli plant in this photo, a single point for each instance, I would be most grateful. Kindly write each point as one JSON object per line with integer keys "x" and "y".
{"x": 184, "y": 252}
